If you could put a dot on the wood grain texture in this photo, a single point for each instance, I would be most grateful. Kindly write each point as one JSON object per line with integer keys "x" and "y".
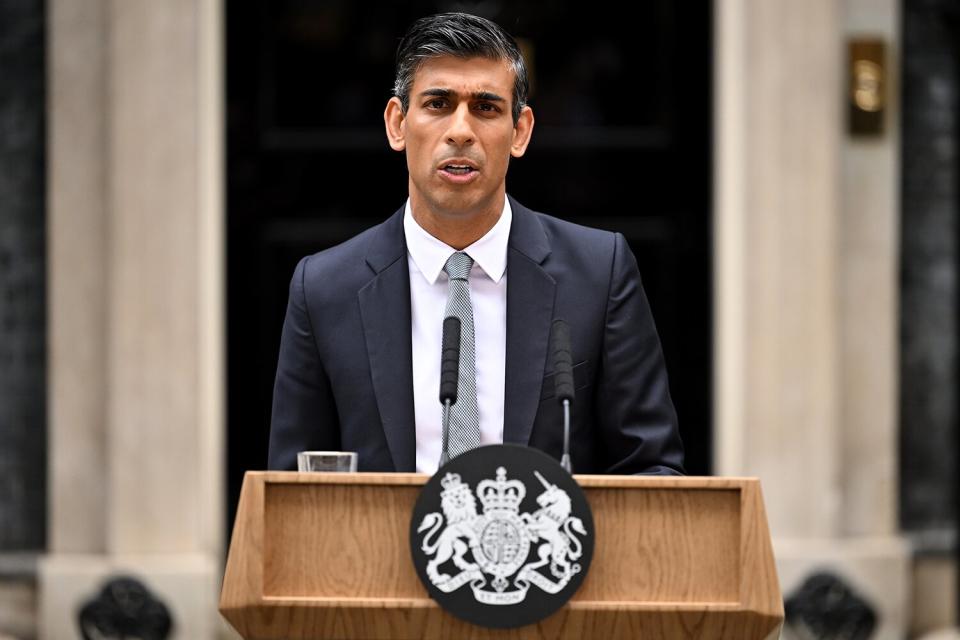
{"x": 664, "y": 545}
{"x": 327, "y": 556}
{"x": 339, "y": 541}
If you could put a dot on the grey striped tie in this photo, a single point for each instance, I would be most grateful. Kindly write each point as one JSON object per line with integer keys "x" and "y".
{"x": 464, "y": 416}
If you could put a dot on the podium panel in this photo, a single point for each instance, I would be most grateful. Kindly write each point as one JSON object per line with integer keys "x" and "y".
{"x": 326, "y": 555}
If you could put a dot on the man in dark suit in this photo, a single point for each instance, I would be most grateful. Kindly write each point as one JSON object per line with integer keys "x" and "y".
{"x": 359, "y": 357}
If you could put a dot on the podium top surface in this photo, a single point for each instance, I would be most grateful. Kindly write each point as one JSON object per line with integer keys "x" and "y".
{"x": 586, "y": 481}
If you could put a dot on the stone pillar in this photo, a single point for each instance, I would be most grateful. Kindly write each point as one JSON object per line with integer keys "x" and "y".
{"x": 806, "y": 294}
{"x": 136, "y": 289}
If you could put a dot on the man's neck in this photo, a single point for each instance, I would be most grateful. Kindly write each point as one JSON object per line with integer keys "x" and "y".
{"x": 455, "y": 229}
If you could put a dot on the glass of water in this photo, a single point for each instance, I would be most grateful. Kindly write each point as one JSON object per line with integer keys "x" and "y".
{"x": 327, "y": 461}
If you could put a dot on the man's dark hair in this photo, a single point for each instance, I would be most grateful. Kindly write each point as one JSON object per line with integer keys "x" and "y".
{"x": 464, "y": 36}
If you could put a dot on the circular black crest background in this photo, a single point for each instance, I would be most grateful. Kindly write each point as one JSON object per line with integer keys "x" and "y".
{"x": 481, "y": 464}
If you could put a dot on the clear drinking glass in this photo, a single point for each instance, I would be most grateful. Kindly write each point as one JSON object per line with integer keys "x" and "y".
{"x": 327, "y": 461}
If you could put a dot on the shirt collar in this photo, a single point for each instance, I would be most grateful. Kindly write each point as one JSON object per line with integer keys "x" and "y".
{"x": 430, "y": 254}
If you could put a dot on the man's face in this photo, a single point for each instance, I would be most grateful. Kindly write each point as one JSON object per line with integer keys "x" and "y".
{"x": 458, "y": 134}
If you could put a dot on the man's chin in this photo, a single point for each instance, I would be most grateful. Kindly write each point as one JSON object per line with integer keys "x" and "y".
{"x": 455, "y": 201}
{"x": 458, "y": 206}
{"x": 464, "y": 203}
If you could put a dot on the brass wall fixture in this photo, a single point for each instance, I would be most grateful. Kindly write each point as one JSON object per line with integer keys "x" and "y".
{"x": 867, "y": 100}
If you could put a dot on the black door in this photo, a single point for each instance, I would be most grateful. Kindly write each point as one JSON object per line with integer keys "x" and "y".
{"x": 622, "y": 142}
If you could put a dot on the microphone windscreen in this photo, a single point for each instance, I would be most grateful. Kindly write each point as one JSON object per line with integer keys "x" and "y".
{"x": 562, "y": 360}
{"x": 450, "y": 359}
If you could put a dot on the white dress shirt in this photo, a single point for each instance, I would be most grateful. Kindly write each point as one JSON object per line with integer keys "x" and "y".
{"x": 426, "y": 257}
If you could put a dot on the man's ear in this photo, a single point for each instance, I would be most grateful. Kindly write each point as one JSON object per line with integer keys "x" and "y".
{"x": 522, "y": 132}
{"x": 394, "y": 120}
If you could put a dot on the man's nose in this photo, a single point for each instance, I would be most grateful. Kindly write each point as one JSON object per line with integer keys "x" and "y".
{"x": 460, "y": 132}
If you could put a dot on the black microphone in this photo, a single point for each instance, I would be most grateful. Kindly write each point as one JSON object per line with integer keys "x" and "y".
{"x": 563, "y": 381}
{"x": 449, "y": 375}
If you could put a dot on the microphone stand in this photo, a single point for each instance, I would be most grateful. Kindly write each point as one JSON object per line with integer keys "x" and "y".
{"x": 563, "y": 378}
{"x": 445, "y": 454}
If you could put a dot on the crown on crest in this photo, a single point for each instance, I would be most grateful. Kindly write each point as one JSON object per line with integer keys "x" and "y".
{"x": 501, "y": 494}
{"x": 451, "y": 481}
{"x": 453, "y": 486}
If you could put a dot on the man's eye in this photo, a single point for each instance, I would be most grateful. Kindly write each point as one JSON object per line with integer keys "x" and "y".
{"x": 437, "y": 104}
{"x": 486, "y": 106}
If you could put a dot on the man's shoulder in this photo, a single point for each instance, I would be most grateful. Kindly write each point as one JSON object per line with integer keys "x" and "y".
{"x": 559, "y": 227}
{"x": 367, "y": 250}
{"x": 351, "y": 250}
{"x": 564, "y": 234}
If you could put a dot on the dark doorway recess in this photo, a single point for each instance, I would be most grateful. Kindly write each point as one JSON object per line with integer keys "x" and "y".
{"x": 929, "y": 263}
{"x": 622, "y": 142}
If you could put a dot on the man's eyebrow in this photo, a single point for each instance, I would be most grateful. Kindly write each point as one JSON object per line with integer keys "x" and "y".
{"x": 441, "y": 92}
{"x": 486, "y": 95}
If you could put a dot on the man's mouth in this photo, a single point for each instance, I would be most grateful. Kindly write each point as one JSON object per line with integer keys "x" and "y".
{"x": 458, "y": 169}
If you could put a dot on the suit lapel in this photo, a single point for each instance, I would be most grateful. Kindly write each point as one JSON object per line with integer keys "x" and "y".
{"x": 530, "y": 297}
{"x": 385, "y": 312}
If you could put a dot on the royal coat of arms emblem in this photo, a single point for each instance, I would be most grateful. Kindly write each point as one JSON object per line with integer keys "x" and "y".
{"x": 501, "y": 552}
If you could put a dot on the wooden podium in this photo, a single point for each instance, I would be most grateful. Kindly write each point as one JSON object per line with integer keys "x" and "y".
{"x": 327, "y": 555}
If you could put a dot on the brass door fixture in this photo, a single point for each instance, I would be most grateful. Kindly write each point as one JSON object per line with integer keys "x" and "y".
{"x": 867, "y": 99}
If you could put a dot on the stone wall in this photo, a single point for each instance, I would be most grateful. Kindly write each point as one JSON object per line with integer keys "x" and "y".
{"x": 806, "y": 298}
{"x": 135, "y": 435}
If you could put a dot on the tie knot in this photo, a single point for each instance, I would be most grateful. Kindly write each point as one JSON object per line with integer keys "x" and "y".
{"x": 458, "y": 266}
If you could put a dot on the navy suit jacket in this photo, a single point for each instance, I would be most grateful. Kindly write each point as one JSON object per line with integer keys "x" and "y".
{"x": 344, "y": 376}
